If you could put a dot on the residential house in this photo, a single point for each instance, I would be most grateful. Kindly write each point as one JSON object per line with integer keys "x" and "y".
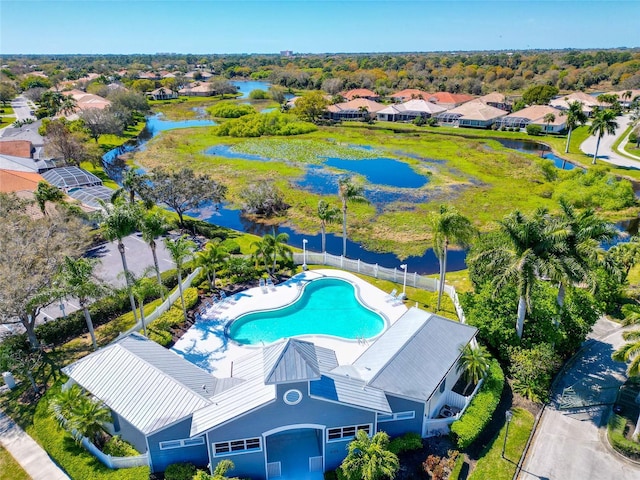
{"x": 475, "y": 114}
{"x": 288, "y": 407}
{"x": 408, "y": 111}
{"x": 626, "y": 97}
{"x": 162, "y": 93}
{"x": 17, "y": 148}
{"x": 449, "y": 100}
{"x": 497, "y": 100}
{"x": 360, "y": 93}
{"x": 535, "y": 115}
{"x": 356, "y": 109}
{"x": 196, "y": 90}
{"x": 409, "y": 94}
{"x": 589, "y": 103}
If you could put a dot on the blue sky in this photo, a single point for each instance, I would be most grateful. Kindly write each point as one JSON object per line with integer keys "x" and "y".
{"x": 308, "y": 26}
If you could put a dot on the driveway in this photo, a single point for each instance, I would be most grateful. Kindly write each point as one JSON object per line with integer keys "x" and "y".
{"x": 570, "y": 441}
{"x": 605, "y": 151}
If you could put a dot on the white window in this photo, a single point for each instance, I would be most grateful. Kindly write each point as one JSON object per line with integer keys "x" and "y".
{"x": 292, "y": 397}
{"x": 396, "y": 416}
{"x": 185, "y": 442}
{"x": 233, "y": 447}
{"x": 346, "y": 433}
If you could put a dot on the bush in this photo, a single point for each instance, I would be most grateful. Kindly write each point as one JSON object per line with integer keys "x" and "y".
{"x": 405, "y": 443}
{"x": 116, "y": 447}
{"x": 595, "y": 188}
{"x": 159, "y": 329}
{"x": 478, "y": 414}
{"x": 180, "y": 471}
{"x": 534, "y": 130}
{"x": 532, "y": 370}
{"x": 259, "y": 124}
{"x": 230, "y": 110}
{"x": 258, "y": 95}
{"x": 616, "y": 428}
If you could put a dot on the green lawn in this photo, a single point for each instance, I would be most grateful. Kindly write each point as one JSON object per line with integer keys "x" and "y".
{"x": 491, "y": 465}
{"x": 9, "y": 468}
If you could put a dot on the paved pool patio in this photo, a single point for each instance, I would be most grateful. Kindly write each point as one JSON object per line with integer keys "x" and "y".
{"x": 205, "y": 344}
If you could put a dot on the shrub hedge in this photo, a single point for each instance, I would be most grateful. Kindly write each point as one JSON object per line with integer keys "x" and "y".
{"x": 160, "y": 329}
{"x": 477, "y": 415}
{"x": 180, "y": 471}
{"x": 117, "y": 447}
{"x": 617, "y": 426}
{"x": 405, "y": 443}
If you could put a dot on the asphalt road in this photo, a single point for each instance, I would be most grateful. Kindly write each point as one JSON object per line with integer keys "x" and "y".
{"x": 23, "y": 108}
{"x": 605, "y": 150}
{"x": 109, "y": 269}
{"x": 570, "y": 443}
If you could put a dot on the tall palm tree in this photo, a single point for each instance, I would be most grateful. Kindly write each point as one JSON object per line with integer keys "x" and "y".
{"x": 117, "y": 222}
{"x": 449, "y": 227}
{"x": 152, "y": 226}
{"x": 348, "y": 192}
{"x": 133, "y": 182}
{"x": 604, "y": 121}
{"x": 475, "y": 363}
{"x": 143, "y": 287}
{"x": 586, "y": 232}
{"x": 210, "y": 259}
{"x": 180, "y": 249}
{"x": 327, "y": 214}
{"x": 575, "y": 116}
{"x": 77, "y": 279}
{"x": 278, "y": 248}
{"x": 369, "y": 458}
{"x": 528, "y": 250}
{"x": 262, "y": 252}
{"x": 549, "y": 118}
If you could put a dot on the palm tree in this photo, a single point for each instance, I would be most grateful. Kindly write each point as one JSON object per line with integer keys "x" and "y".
{"x": 88, "y": 419}
{"x": 586, "y": 232}
{"x": 348, "y": 192}
{"x": 262, "y": 252}
{"x": 603, "y": 122}
{"x": 133, "y": 182}
{"x": 118, "y": 221}
{"x": 69, "y": 106}
{"x": 143, "y": 288}
{"x": 369, "y": 458}
{"x": 77, "y": 279}
{"x": 575, "y": 116}
{"x": 549, "y": 118}
{"x": 630, "y": 353}
{"x": 475, "y": 363}
{"x": 210, "y": 258}
{"x": 528, "y": 249}
{"x": 65, "y": 402}
{"x": 448, "y": 227}
{"x": 180, "y": 249}
{"x": 327, "y": 214}
{"x": 46, "y": 192}
{"x": 152, "y": 226}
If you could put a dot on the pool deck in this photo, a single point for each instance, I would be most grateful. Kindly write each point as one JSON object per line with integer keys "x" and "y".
{"x": 206, "y": 345}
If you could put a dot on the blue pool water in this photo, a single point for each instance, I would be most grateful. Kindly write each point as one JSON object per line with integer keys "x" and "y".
{"x": 327, "y": 306}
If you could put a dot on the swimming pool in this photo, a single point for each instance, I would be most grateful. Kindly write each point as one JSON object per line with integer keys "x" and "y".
{"x": 327, "y": 306}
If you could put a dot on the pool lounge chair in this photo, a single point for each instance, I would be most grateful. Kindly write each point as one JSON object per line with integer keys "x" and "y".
{"x": 263, "y": 285}
{"x": 270, "y": 285}
{"x": 391, "y": 297}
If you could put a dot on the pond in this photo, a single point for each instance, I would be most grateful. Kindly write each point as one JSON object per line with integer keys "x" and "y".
{"x": 245, "y": 87}
{"x": 157, "y": 124}
{"x": 540, "y": 149}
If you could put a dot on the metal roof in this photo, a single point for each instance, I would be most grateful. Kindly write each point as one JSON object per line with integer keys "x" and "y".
{"x": 349, "y": 391}
{"x": 135, "y": 378}
{"x": 70, "y": 177}
{"x": 412, "y": 357}
{"x": 234, "y": 402}
{"x": 290, "y": 361}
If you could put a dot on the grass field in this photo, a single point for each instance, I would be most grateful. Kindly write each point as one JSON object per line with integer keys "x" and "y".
{"x": 9, "y": 468}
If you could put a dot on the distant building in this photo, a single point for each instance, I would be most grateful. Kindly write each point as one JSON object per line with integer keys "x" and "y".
{"x": 286, "y": 53}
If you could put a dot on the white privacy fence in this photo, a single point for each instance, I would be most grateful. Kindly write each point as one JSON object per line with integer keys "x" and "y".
{"x": 164, "y": 306}
{"x": 392, "y": 274}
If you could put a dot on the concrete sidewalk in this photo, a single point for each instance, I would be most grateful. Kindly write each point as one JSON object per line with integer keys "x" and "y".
{"x": 31, "y": 456}
{"x": 605, "y": 151}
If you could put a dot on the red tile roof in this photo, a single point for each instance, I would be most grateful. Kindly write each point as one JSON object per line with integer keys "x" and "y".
{"x": 449, "y": 98}
{"x": 411, "y": 93}
{"x": 359, "y": 92}
{"x": 16, "y": 148}
{"x": 15, "y": 181}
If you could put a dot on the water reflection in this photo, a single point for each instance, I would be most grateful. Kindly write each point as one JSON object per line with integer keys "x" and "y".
{"x": 540, "y": 149}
